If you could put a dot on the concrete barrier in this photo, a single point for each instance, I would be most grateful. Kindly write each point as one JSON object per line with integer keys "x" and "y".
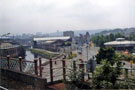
{"x": 33, "y": 80}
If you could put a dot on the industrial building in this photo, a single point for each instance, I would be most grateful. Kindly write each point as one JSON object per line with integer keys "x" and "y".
{"x": 52, "y": 43}
{"x": 121, "y": 44}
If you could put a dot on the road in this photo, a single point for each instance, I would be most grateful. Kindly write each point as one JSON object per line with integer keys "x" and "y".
{"x": 128, "y": 65}
{"x": 92, "y": 51}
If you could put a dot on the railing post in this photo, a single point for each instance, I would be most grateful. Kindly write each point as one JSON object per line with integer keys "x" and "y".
{"x": 74, "y": 68}
{"x": 51, "y": 70}
{"x": 40, "y": 67}
{"x": 74, "y": 65}
{"x": 131, "y": 69}
{"x": 55, "y": 62}
{"x": 20, "y": 63}
{"x": 36, "y": 68}
{"x": 8, "y": 63}
{"x": 126, "y": 73}
{"x": 81, "y": 65}
{"x": 64, "y": 69}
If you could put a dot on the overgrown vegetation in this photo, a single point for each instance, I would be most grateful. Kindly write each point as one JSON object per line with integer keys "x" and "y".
{"x": 44, "y": 54}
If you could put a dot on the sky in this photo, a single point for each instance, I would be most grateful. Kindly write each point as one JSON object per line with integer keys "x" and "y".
{"x": 46, "y": 16}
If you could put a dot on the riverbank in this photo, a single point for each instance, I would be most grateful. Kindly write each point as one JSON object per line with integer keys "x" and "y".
{"x": 43, "y": 53}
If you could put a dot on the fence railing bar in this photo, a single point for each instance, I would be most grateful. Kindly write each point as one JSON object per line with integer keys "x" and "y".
{"x": 57, "y": 68}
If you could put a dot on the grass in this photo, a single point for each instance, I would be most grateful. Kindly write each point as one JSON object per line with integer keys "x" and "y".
{"x": 44, "y": 54}
{"x": 71, "y": 56}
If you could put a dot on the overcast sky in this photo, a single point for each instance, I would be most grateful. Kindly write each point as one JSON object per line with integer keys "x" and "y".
{"x": 30, "y": 16}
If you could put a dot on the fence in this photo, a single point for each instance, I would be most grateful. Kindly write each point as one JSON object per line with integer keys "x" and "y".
{"x": 21, "y": 65}
{"x": 128, "y": 73}
{"x": 59, "y": 69}
{"x": 55, "y": 70}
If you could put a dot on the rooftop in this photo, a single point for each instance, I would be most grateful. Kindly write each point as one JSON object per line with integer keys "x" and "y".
{"x": 51, "y": 38}
{"x": 120, "y": 43}
{"x": 7, "y": 46}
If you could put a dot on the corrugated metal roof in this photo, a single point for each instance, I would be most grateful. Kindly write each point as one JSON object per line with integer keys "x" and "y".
{"x": 120, "y": 43}
{"x": 51, "y": 38}
{"x": 7, "y": 46}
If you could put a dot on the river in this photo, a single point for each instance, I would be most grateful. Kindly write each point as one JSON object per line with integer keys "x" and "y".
{"x": 30, "y": 56}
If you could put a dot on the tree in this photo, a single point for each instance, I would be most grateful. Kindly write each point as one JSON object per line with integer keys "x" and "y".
{"x": 99, "y": 40}
{"x": 112, "y": 37}
{"x": 106, "y": 75}
{"x": 106, "y": 53}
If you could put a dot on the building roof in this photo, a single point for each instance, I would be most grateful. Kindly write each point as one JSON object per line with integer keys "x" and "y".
{"x": 120, "y": 39}
{"x": 51, "y": 38}
{"x": 7, "y": 46}
{"x": 120, "y": 43}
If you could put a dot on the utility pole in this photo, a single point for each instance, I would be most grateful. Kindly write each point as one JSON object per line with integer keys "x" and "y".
{"x": 87, "y": 51}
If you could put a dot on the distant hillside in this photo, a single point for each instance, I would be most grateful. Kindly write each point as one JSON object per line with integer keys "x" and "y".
{"x": 110, "y": 35}
{"x": 125, "y": 31}
{"x": 76, "y": 32}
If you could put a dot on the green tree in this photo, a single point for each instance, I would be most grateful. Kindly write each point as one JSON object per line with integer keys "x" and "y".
{"x": 106, "y": 75}
{"x": 99, "y": 40}
{"x": 132, "y": 36}
{"x": 112, "y": 37}
{"x": 107, "y": 53}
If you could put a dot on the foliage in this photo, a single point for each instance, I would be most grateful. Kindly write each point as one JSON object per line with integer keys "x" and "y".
{"x": 126, "y": 84}
{"x": 22, "y": 52}
{"x": 74, "y": 80}
{"x": 72, "y": 55}
{"x": 44, "y": 54}
{"x": 127, "y": 57}
{"x": 99, "y": 40}
{"x": 106, "y": 75}
{"x": 132, "y": 36}
{"x": 106, "y": 53}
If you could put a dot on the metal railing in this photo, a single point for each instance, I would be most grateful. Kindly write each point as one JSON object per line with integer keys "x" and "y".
{"x": 19, "y": 65}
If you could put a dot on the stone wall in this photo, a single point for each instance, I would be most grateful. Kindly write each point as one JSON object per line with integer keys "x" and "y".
{"x": 35, "y": 81}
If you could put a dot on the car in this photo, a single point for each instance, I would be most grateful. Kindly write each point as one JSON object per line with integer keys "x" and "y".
{"x": 79, "y": 52}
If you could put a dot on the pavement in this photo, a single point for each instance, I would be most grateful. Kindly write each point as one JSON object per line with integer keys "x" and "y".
{"x": 128, "y": 65}
{"x": 57, "y": 67}
{"x": 58, "y": 71}
{"x": 86, "y": 52}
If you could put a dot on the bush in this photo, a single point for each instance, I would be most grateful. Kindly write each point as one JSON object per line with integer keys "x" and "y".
{"x": 72, "y": 56}
{"x": 127, "y": 57}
